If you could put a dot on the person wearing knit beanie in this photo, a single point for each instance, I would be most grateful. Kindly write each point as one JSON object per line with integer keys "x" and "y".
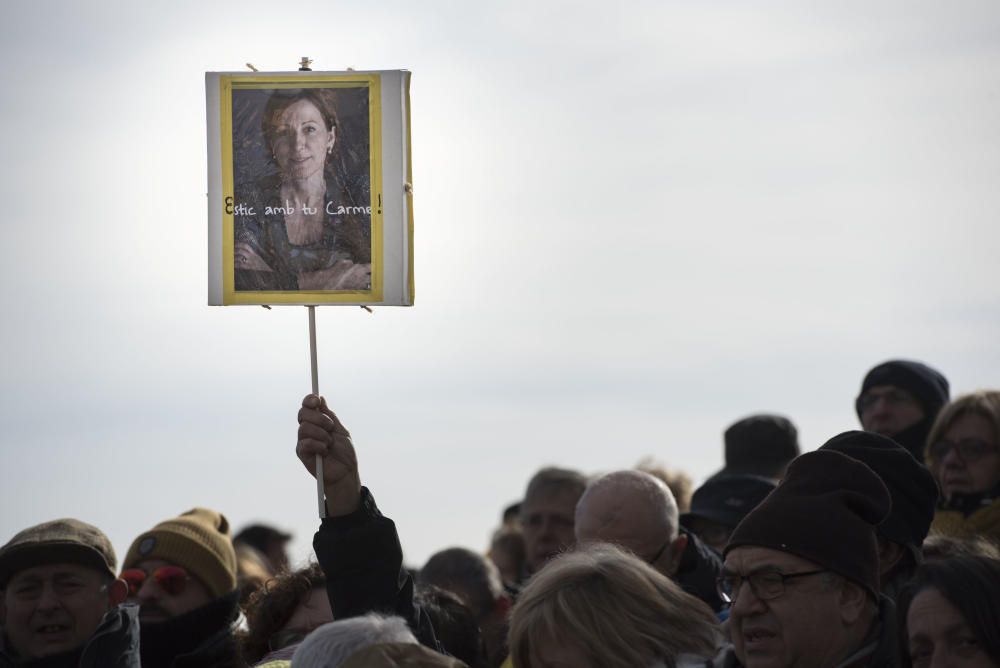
{"x": 761, "y": 445}
{"x": 182, "y": 573}
{"x": 802, "y": 572}
{"x": 900, "y": 399}
{"x": 914, "y": 497}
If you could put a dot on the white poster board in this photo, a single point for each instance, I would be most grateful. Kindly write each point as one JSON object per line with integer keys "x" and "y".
{"x": 309, "y": 188}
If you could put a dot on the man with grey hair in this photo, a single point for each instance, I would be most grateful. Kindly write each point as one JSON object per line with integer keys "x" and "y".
{"x": 547, "y": 515}
{"x": 637, "y": 511}
{"x": 332, "y": 644}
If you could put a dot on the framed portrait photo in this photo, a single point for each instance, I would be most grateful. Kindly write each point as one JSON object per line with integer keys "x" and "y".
{"x": 309, "y": 188}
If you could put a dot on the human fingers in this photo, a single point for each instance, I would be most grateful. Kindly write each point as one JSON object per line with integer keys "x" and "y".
{"x": 307, "y": 449}
{"x": 338, "y": 426}
{"x": 245, "y": 257}
{"x": 354, "y": 277}
{"x": 316, "y": 416}
{"x": 309, "y": 431}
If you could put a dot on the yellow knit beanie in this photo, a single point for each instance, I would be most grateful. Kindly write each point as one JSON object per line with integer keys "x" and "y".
{"x": 197, "y": 541}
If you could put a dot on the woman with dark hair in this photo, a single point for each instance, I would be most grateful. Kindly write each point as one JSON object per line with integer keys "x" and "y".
{"x": 950, "y": 614}
{"x": 455, "y": 625}
{"x": 963, "y": 455}
{"x": 297, "y": 229}
{"x": 283, "y": 612}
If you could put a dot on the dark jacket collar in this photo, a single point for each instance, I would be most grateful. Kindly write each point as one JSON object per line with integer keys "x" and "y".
{"x": 879, "y": 649}
{"x": 114, "y": 644}
{"x": 966, "y": 504}
{"x": 699, "y": 568}
{"x": 201, "y": 638}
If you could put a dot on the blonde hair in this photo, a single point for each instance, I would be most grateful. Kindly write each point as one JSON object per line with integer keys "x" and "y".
{"x": 678, "y": 481}
{"x": 984, "y": 403}
{"x": 614, "y": 608}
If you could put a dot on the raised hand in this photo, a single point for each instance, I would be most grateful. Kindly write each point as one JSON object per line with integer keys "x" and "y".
{"x": 321, "y": 433}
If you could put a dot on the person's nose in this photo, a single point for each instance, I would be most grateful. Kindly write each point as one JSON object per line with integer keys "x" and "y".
{"x": 942, "y": 659}
{"x": 549, "y": 527}
{"x": 300, "y": 139}
{"x": 148, "y": 591}
{"x": 881, "y": 406}
{"x": 951, "y": 459}
{"x": 746, "y": 602}
{"x": 48, "y": 599}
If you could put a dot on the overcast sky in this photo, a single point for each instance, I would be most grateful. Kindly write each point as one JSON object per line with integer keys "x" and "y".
{"x": 635, "y": 223}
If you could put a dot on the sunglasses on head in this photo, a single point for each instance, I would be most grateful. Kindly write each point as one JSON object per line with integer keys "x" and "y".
{"x": 171, "y": 579}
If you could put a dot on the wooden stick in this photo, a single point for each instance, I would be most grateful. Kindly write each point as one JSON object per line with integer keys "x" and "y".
{"x": 315, "y": 389}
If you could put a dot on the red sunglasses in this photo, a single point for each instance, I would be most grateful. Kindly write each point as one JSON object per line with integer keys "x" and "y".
{"x": 171, "y": 579}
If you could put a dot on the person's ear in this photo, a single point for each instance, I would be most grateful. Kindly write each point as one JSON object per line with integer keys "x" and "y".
{"x": 117, "y": 592}
{"x": 674, "y": 553}
{"x": 853, "y": 599}
{"x": 333, "y": 139}
{"x": 502, "y": 606}
{"x": 889, "y": 554}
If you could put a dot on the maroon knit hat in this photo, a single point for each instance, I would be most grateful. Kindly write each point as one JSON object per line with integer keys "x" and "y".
{"x": 825, "y": 510}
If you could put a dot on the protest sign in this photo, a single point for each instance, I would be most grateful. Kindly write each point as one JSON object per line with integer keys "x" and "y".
{"x": 309, "y": 188}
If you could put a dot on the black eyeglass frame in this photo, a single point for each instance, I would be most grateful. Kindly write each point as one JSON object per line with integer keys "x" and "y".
{"x": 777, "y": 580}
{"x": 969, "y": 450}
{"x": 659, "y": 553}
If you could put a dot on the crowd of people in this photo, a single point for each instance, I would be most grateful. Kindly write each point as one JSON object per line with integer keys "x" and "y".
{"x": 879, "y": 549}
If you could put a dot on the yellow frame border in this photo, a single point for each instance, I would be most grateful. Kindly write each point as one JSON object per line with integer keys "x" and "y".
{"x": 227, "y": 83}
{"x": 411, "y": 286}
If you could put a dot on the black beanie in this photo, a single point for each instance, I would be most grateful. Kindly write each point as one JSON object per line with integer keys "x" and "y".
{"x": 825, "y": 510}
{"x": 911, "y": 486}
{"x": 928, "y": 386}
{"x": 760, "y": 441}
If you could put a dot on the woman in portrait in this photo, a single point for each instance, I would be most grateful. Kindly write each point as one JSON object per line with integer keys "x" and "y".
{"x": 600, "y": 607}
{"x": 298, "y": 228}
{"x": 963, "y": 454}
{"x": 948, "y": 614}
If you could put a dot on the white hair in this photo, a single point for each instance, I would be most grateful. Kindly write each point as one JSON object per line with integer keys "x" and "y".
{"x": 631, "y": 493}
{"x": 332, "y": 644}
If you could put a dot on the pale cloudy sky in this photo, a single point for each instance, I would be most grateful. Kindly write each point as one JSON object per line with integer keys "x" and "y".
{"x": 636, "y": 222}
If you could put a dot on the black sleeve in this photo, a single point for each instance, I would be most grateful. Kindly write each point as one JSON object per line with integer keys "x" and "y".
{"x": 700, "y": 566}
{"x": 363, "y": 563}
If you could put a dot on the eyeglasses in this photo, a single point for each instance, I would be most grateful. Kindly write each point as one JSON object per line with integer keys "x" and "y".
{"x": 891, "y": 397}
{"x": 765, "y": 585}
{"x": 970, "y": 449}
{"x": 171, "y": 579}
{"x": 659, "y": 553}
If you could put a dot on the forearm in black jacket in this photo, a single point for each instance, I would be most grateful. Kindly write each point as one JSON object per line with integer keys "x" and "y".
{"x": 363, "y": 563}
